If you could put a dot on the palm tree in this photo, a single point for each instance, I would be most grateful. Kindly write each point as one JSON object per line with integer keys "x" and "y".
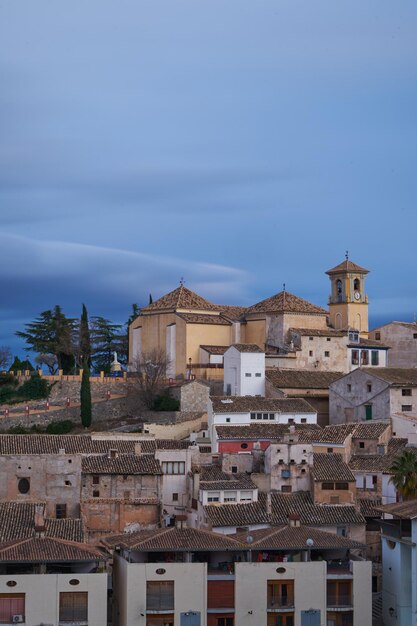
{"x": 404, "y": 475}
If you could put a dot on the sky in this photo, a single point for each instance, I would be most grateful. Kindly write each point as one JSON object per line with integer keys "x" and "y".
{"x": 236, "y": 144}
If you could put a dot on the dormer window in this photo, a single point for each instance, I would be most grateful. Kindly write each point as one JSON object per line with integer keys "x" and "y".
{"x": 353, "y": 336}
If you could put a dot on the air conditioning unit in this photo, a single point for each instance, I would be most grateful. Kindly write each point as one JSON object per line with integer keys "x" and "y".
{"x": 17, "y": 619}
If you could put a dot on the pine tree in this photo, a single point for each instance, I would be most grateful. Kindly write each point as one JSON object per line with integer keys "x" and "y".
{"x": 85, "y": 398}
{"x": 150, "y": 298}
{"x": 84, "y": 339}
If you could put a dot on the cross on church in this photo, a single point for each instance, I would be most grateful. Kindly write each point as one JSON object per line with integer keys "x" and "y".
{"x": 347, "y": 255}
{"x": 182, "y": 281}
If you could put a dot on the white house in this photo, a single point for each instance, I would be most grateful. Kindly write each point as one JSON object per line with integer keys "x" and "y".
{"x": 244, "y": 370}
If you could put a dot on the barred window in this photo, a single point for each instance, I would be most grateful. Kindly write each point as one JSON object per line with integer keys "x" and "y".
{"x": 73, "y": 606}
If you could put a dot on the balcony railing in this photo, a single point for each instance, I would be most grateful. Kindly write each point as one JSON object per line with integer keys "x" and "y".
{"x": 339, "y": 600}
{"x": 281, "y": 601}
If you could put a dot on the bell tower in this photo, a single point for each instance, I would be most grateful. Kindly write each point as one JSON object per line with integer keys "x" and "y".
{"x": 348, "y": 303}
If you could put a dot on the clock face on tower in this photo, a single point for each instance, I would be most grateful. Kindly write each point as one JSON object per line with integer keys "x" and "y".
{"x": 357, "y": 295}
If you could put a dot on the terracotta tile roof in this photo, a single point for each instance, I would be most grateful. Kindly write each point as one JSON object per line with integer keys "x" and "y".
{"x": 174, "y": 540}
{"x": 282, "y": 504}
{"x": 403, "y": 510}
{"x": 347, "y": 266}
{"x": 131, "y": 501}
{"x": 336, "y": 433}
{"x": 395, "y": 376}
{"x": 244, "y": 404}
{"x": 247, "y": 514}
{"x": 368, "y": 343}
{"x": 201, "y": 318}
{"x": 47, "y": 550}
{"x": 295, "y": 538}
{"x": 376, "y": 462}
{"x": 232, "y": 313}
{"x": 72, "y": 444}
{"x": 367, "y": 506}
{"x": 125, "y": 464}
{"x": 370, "y": 430}
{"x": 247, "y": 347}
{"x": 318, "y": 332}
{"x": 17, "y": 521}
{"x": 301, "y": 502}
{"x": 173, "y": 444}
{"x": 268, "y": 432}
{"x": 331, "y": 467}
{"x": 301, "y": 379}
{"x": 210, "y": 480}
{"x": 180, "y": 298}
{"x": 215, "y": 349}
{"x": 396, "y": 445}
{"x": 285, "y": 302}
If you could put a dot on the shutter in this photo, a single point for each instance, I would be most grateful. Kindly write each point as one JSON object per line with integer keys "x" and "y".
{"x": 220, "y": 594}
{"x": 310, "y": 618}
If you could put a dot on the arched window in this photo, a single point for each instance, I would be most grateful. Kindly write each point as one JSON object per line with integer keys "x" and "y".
{"x": 338, "y": 321}
{"x": 356, "y": 284}
{"x": 339, "y": 289}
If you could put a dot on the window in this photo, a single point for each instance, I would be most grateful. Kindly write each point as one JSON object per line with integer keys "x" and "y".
{"x": 303, "y": 420}
{"x": 280, "y": 594}
{"x": 213, "y": 496}
{"x": 246, "y": 496}
{"x": 311, "y": 338}
{"x": 96, "y": 480}
{"x": 406, "y": 407}
{"x": 328, "y": 338}
{"x": 291, "y": 420}
{"x": 173, "y": 467}
{"x": 228, "y": 419}
{"x": 11, "y": 604}
{"x": 378, "y": 336}
{"x": 258, "y": 374}
{"x": 248, "y": 375}
{"x": 160, "y": 595}
{"x": 329, "y": 450}
{"x": 326, "y": 353}
{"x": 344, "y": 618}
{"x": 414, "y": 335}
{"x": 406, "y": 392}
{"x": 73, "y": 606}
{"x": 374, "y": 357}
{"x": 234, "y": 469}
{"x": 368, "y": 411}
{"x": 310, "y": 353}
{"x": 96, "y": 493}
{"x": 281, "y": 619}
{"x": 355, "y": 357}
{"x": 286, "y": 488}
{"x": 349, "y": 387}
{"x": 175, "y": 497}
{"x": 24, "y": 485}
{"x": 341, "y": 531}
{"x": 354, "y": 337}
{"x": 339, "y": 593}
{"x": 364, "y": 357}
{"x": 361, "y": 444}
{"x": 225, "y": 621}
{"x": 244, "y": 446}
{"x": 60, "y": 511}
{"x": 253, "y": 416}
{"x": 327, "y": 486}
{"x": 230, "y": 496}
{"x": 369, "y": 387}
{"x": 342, "y": 486}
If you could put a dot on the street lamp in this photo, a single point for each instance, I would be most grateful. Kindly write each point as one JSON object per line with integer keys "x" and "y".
{"x": 309, "y": 544}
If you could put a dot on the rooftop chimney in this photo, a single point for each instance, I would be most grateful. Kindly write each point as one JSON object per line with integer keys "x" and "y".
{"x": 294, "y": 520}
{"x": 39, "y": 521}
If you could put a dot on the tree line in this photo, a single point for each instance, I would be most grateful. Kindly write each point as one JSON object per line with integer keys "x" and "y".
{"x": 68, "y": 344}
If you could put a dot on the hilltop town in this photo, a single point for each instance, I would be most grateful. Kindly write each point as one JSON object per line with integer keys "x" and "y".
{"x": 279, "y": 489}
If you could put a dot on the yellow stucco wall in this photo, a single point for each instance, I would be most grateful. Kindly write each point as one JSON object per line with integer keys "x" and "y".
{"x": 255, "y": 332}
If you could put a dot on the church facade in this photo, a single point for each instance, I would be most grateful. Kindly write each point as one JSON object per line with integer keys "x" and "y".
{"x": 194, "y": 333}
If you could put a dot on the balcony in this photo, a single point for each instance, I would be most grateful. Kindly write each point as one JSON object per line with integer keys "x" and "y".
{"x": 340, "y": 601}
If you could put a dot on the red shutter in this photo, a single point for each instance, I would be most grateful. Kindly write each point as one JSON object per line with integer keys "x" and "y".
{"x": 221, "y": 594}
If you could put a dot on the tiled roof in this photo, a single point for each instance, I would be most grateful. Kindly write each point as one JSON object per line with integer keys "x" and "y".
{"x": 331, "y": 467}
{"x": 404, "y": 510}
{"x": 247, "y": 514}
{"x": 247, "y": 347}
{"x": 180, "y": 298}
{"x": 231, "y": 481}
{"x": 174, "y": 540}
{"x": 396, "y": 445}
{"x": 367, "y": 506}
{"x": 371, "y": 462}
{"x": 285, "y": 302}
{"x": 244, "y": 404}
{"x": 319, "y": 332}
{"x": 232, "y": 313}
{"x": 368, "y": 343}
{"x": 295, "y": 538}
{"x": 336, "y": 433}
{"x": 347, "y": 266}
{"x": 395, "y": 376}
{"x": 215, "y": 349}
{"x": 282, "y": 504}
{"x": 301, "y": 502}
{"x": 17, "y": 521}
{"x": 125, "y": 464}
{"x": 173, "y": 444}
{"x": 71, "y": 444}
{"x": 370, "y": 430}
{"x": 41, "y": 550}
{"x": 301, "y": 379}
{"x": 258, "y": 431}
{"x": 201, "y": 318}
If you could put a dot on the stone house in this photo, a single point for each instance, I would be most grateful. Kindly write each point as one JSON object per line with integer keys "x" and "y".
{"x": 333, "y": 481}
{"x": 370, "y": 394}
{"x": 401, "y": 337}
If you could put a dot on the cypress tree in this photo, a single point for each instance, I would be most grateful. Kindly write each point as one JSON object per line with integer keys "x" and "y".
{"x": 85, "y": 398}
{"x": 84, "y": 340}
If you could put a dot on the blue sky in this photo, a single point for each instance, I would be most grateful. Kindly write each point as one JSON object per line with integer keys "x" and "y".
{"x": 238, "y": 144}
